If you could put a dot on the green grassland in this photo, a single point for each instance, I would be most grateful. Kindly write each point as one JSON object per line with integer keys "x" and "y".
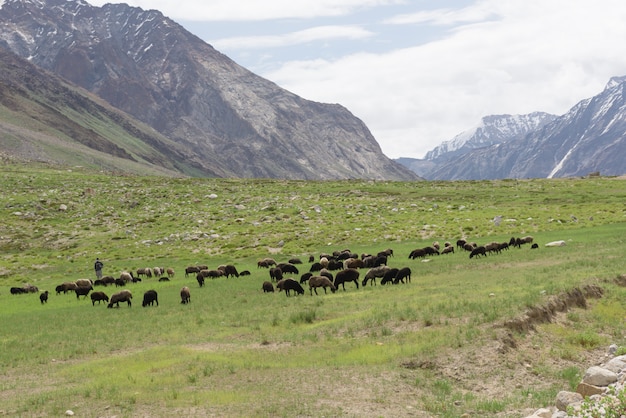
{"x": 432, "y": 347}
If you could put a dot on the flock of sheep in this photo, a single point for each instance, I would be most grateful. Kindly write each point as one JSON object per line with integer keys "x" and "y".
{"x": 330, "y": 271}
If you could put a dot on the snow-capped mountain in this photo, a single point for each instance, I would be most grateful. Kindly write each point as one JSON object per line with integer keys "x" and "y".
{"x": 591, "y": 137}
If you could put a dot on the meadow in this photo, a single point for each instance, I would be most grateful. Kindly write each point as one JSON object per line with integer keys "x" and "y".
{"x": 434, "y": 347}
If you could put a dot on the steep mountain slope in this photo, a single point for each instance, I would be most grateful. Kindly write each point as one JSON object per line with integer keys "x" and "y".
{"x": 591, "y": 137}
{"x": 42, "y": 118}
{"x": 237, "y": 123}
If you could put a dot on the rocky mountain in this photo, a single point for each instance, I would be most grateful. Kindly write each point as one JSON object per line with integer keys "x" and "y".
{"x": 590, "y": 137}
{"x": 43, "y": 118}
{"x": 233, "y": 122}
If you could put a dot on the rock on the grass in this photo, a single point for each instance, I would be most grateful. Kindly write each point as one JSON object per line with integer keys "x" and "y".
{"x": 599, "y": 376}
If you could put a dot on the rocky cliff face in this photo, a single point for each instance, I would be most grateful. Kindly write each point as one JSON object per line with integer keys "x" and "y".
{"x": 235, "y": 123}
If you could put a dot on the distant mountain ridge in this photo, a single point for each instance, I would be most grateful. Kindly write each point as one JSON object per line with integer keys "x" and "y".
{"x": 227, "y": 120}
{"x": 590, "y": 137}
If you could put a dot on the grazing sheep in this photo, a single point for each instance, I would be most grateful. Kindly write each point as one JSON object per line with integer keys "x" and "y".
{"x": 267, "y": 287}
{"x": 185, "y": 295}
{"x": 266, "y": 263}
{"x": 98, "y": 297}
{"x": 353, "y": 263}
{"x": 375, "y": 272}
{"x": 294, "y": 261}
{"x": 245, "y": 273}
{"x": 431, "y": 251}
{"x": 305, "y": 277}
{"x": 460, "y": 243}
{"x": 126, "y": 277}
{"x": 469, "y": 247}
{"x": 230, "y": 270}
{"x": 84, "y": 283}
{"x": 121, "y": 296}
{"x": 387, "y": 253}
{"x": 389, "y": 276}
{"x": 43, "y": 297}
{"x": 417, "y": 253}
{"x": 534, "y": 246}
{"x": 191, "y": 269}
{"x": 478, "y": 251}
{"x": 347, "y": 275}
{"x": 316, "y": 267}
{"x": 326, "y": 273}
{"x": 82, "y": 291}
{"x": 290, "y": 284}
{"x": 324, "y": 262}
{"x": 164, "y": 279}
{"x": 200, "y": 279}
{"x": 170, "y": 272}
{"x": 57, "y": 289}
{"x": 18, "y": 290}
{"x": 157, "y": 271}
{"x": 149, "y": 298}
{"x": 68, "y": 287}
{"x": 288, "y": 268}
{"x": 107, "y": 280}
{"x": 320, "y": 281}
{"x": 120, "y": 282}
{"x": 311, "y": 258}
{"x": 29, "y": 288}
{"x": 448, "y": 250}
{"x": 276, "y": 274}
{"x": 405, "y": 273}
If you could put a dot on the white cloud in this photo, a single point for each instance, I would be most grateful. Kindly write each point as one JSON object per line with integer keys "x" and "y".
{"x": 537, "y": 56}
{"x": 319, "y": 33}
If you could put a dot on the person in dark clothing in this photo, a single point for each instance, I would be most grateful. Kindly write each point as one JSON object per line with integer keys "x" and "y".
{"x": 98, "y": 267}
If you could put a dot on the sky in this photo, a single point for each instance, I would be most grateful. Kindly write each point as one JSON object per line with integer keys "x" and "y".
{"x": 418, "y": 72}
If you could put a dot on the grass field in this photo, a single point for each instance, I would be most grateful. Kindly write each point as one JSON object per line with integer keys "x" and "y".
{"x": 435, "y": 347}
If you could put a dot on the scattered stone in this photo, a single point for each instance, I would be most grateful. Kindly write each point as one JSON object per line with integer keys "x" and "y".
{"x": 69, "y": 413}
{"x": 565, "y": 399}
{"x": 63, "y": 208}
{"x": 599, "y": 376}
{"x": 585, "y": 389}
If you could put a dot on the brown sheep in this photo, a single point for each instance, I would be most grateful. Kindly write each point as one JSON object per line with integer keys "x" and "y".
{"x": 185, "y": 296}
{"x": 267, "y": 287}
{"x": 191, "y": 269}
{"x": 170, "y": 272}
{"x": 68, "y": 287}
{"x": 98, "y": 297}
{"x": 107, "y": 280}
{"x": 320, "y": 281}
{"x": 375, "y": 272}
{"x": 121, "y": 296}
{"x": 353, "y": 263}
{"x": 126, "y": 277}
{"x": 83, "y": 283}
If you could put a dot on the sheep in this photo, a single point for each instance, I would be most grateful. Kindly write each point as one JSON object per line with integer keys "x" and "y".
{"x": 98, "y": 297}
{"x": 157, "y": 271}
{"x": 29, "y": 288}
{"x": 191, "y": 269}
{"x": 375, "y": 272}
{"x": 460, "y": 243}
{"x": 185, "y": 295}
{"x": 324, "y": 262}
{"x": 230, "y": 270}
{"x": 126, "y": 277}
{"x": 107, "y": 280}
{"x": 18, "y": 290}
{"x": 347, "y": 275}
{"x": 276, "y": 274}
{"x": 316, "y": 267}
{"x": 121, "y": 296}
{"x": 266, "y": 263}
{"x": 469, "y": 247}
{"x": 68, "y": 287}
{"x": 84, "y": 283}
{"x": 448, "y": 250}
{"x": 164, "y": 279}
{"x": 200, "y": 279}
{"x": 417, "y": 253}
{"x": 288, "y": 268}
{"x": 267, "y": 287}
{"x": 431, "y": 251}
{"x": 120, "y": 282}
{"x": 534, "y": 246}
{"x": 387, "y": 253}
{"x": 149, "y": 298}
{"x": 245, "y": 273}
{"x": 353, "y": 263}
{"x": 170, "y": 272}
{"x": 405, "y": 273}
{"x": 481, "y": 250}
{"x": 389, "y": 276}
{"x": 294, "y": 261}
{"x": 320, "y": 281}
{"x": 327, "y": 274}
{"x": 43, "y": 297}
{"x": 305, "y": 277}
{"x": 83, "y": 291}
{"x": 290, "y": 284}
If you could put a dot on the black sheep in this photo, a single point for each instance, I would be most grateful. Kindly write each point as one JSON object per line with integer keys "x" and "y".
{"x": 347, "y": 275}
{"x": 405, "y": 273}
{"x": 290, "y": 284}
{"x": 149, "y": 298}
{"x": 43, "y": 297}
{"x": 82, "y": 291}
{"x": 390, "y": 276}
{"x": 481, "y": 250}
{"x": 267, "y": 287}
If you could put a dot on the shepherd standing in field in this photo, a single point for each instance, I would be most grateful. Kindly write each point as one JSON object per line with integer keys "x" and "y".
{"x": 98, "y": 267}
